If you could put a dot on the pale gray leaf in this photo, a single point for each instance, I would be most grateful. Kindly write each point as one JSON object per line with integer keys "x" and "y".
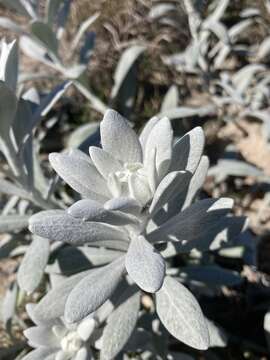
{"x": 32, "y": 267}
{"x": 9, "y": 64}
{"x": 104, "y": 162}
{"x": 119, "y": 139}
{"x": 145, "y": 265}
{"x": 181, "y": 314}
{"x": 81, "y": 133}
{"x": 41, "y": 353}
{"x": 9, "y": 304}
{"x": 8, "y": 24}
{"x": 39, "y": 336}
{"x": 264, "y": 48}
{"x": 171, "y": 99}
{"x": 80, "y": 174}
{"x": 124, "y": 204}
{"x": 188, "y": 150}
{"x": 147, "y": 130}
{"x": 197, "y": 181}
{"x": 218, "y": 29}
{"x": 159, "y": 10}
{"x": 57, "y": 225}
{"x": 82, "y": 29}
{"x": 34, "y": 50}
{"x": 52, "y": 305}
{"x": 243, "y": 78}
{"x": 219, "y": 11}
{"x": 170, "y": 186}
{"x": 186, "y": 112}
{"x": 218, "y": 337}
{"x": 93, "y": 291}
{"x": 160, "y": 139}
{"x": 6, "y": 187}
{"x": 10, "y": 223}
{"x": 90, "y": 210}
{"x": 194, "y": 222}
{"x": 232, "y": 167}
{"x": 124, "y": 66}
{"x": 266, "y": 326}
{"x": 120, "y": 326}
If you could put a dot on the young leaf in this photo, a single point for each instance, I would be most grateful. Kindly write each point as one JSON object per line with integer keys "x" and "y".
{"x": 80, "y": 174}
{"x": 119, "y": 139}
{"x": 90, "y": 210}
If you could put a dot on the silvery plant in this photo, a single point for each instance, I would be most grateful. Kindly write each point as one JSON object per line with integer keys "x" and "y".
{"x": 211, "y": 40}
{"x": 42, "y": 40}
{"x": 24, "y": 186}
{"x": 139, "y": 209}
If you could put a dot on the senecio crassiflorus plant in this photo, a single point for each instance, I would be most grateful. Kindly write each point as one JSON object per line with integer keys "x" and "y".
{"x": 138, "y": 200}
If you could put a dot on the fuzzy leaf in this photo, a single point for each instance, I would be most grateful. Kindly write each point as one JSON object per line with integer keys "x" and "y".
{"x": 168, "y": 188}
{"x": 197, "y": 181}
{"x": 104, "y": 162}
{"x": 145, "y": 265}
{"x": 80, "y": 174}
{"x": 188, "y": 151}
{"x": 39, "y": 336}
{"x": 57, "y": 225}
{"x": 194, "y": 222}
{"x": 52, "y": 305}
{"x": 33, "y": 264}
{"x": 181, "y": 314}
{"x": 146, "y": 131}
{"x": 124, "y": 204}
{"x": 160, "y": 139}
{"x": 90, "y": 210}
{"x": 119, "y": 139}
{"x": 120, "y": 326}
{"x": 93, "y": 291}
